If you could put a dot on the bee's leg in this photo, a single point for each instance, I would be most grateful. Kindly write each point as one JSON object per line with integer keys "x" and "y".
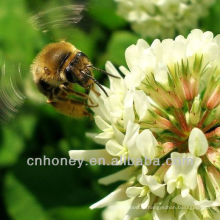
{"x": 56, "y": 93}
{"x": 65, "y": 99}
{"x": 70, "y": 107}
{"x": 49, "y": 101}
{"x": 56, "y": 99}
{"x": 79, "y": 94}
{"x": 50, "y": 91}
{"x": 92, "y": 105}
{"x": 96, "y": 92}
{"x": 69, "y": 90}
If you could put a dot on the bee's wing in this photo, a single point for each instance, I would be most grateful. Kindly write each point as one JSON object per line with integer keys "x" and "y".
{"x": 11, "y": 94}
{"x": 60, "y": 16}
{"x": 16, "y": 87}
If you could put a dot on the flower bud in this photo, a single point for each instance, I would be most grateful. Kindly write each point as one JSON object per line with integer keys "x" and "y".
{"x": 213, "y": 156}
{"x": 195, "y": 112}
{"x": 214, "y": 99}
{"x": 165, "y": 149}
{"x": 200, "y": 190}
{"x": 213, "y": 176}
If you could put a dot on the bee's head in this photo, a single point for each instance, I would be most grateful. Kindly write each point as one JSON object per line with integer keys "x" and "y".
{"x": 78, "y": 70}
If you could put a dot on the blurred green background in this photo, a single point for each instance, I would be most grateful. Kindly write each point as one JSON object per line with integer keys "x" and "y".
{"x": 56, "y": 192}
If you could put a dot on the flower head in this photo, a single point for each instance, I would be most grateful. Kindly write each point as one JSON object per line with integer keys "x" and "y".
{"x": 167, "y": 109}
{"x": 162, "y": 17}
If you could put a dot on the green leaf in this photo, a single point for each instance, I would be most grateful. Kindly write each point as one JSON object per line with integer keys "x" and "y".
{"x": 21, "y": 203}
{"x": 11, "y": 147}
{"x": 118, "y": 43}
{"x": 25, "y": 125}
{"x": 14, "y": 137}
{"x": 49, "y": 192}
{"x": 18, "y": 40}
{"x": 70, "y": 213}
{"x": 105, "y": 13}
{"x": 208, "y": 23}
{"x": 54, "y": 185}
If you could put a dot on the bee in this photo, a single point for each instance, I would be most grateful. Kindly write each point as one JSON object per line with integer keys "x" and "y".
{"x": 56, "y": 69}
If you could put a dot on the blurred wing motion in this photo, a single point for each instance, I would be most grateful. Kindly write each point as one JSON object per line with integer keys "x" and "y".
{"x": 57, "y": 17}
{"x": 14, "y": 87}
{"x": 11, "y": 95}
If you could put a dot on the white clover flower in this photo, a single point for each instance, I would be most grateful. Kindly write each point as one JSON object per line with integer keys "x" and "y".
{"x": 162, "y": 17}
{"x": 167, "y": 107}
{"x": 117, "y": 211}
{"x": 147, "y": 144}
{"x": 125, "y": 145}
{"x": 142, "y": 193}
{"x": 184, "y": 168}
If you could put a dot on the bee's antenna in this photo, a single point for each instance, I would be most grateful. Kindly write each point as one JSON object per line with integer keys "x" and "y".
{"x": 96, "y": 82}
{"x": 103, "y": 71}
